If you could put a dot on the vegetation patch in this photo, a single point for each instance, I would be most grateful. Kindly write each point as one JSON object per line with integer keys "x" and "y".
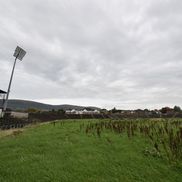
{"x": 62, "y": 151}
{"x": 164, "y": 135}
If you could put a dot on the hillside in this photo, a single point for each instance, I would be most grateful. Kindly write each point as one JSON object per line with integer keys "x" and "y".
{"x": 25, "y": 104}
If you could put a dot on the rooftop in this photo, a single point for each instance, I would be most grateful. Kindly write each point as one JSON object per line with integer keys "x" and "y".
{"x": 2, "y": 92}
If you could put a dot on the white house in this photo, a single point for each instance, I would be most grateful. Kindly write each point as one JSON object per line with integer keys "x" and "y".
{"x": 19, "y": 114}
{"x": 84, "y": 111}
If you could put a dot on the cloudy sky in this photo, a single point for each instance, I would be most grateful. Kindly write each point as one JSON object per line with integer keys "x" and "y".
{"x": 122, "y": 53}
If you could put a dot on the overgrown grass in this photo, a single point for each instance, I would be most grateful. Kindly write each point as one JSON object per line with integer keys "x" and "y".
{"x": 61, "y": 152}
{"x": 165, "y": 135}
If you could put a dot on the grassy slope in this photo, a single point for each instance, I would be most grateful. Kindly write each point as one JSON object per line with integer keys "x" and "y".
{"x": 63, "y": 153}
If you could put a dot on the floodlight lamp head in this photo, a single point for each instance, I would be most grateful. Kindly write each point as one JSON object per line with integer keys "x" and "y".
{"x": 19, "y": 53}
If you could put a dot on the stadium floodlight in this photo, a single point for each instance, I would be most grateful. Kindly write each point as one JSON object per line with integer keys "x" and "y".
{"x": 18, "y": 54}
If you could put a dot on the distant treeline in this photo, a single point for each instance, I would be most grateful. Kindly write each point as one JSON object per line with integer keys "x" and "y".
{"x": 44, "y": 116}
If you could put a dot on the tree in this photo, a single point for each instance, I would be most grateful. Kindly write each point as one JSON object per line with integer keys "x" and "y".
{"x": 61, "y": 111}
{"x": 32, "y": 110}
{"x": 177, "y": 109}
{"x": 165, "y": 110}
{"x": 114, "y": 110}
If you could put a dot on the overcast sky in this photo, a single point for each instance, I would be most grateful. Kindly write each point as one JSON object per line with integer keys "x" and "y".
{"x": 105, "y": 53}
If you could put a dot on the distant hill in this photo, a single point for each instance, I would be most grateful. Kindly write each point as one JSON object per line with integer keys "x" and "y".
{"x": 25, "y": 104}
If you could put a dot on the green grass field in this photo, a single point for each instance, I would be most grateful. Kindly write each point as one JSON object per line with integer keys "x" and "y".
{"x": 64, "y": 153}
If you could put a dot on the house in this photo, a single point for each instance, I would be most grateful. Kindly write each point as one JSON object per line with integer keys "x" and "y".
{"x": 19, "y": 115}
{"x": 2, "y": 92}
{"x": 73, "y": 111}
{"x": 84, "y": 111}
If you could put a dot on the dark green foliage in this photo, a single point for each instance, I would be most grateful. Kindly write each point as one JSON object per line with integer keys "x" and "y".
{"x": 177, "y": 109}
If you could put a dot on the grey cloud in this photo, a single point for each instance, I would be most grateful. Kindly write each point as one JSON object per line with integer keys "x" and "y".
{"x": 110, "y": 53}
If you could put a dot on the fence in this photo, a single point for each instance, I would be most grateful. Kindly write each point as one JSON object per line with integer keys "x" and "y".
{"x": 11, "y": 122}
{"x": 8, "y": 123}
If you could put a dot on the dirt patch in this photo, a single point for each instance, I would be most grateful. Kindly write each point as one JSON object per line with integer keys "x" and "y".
{"x": 17, "y": 132}
{"x": 14, "y": 132}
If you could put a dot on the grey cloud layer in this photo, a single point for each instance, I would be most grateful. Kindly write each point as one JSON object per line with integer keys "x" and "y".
{"x": 110, "y": 53}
